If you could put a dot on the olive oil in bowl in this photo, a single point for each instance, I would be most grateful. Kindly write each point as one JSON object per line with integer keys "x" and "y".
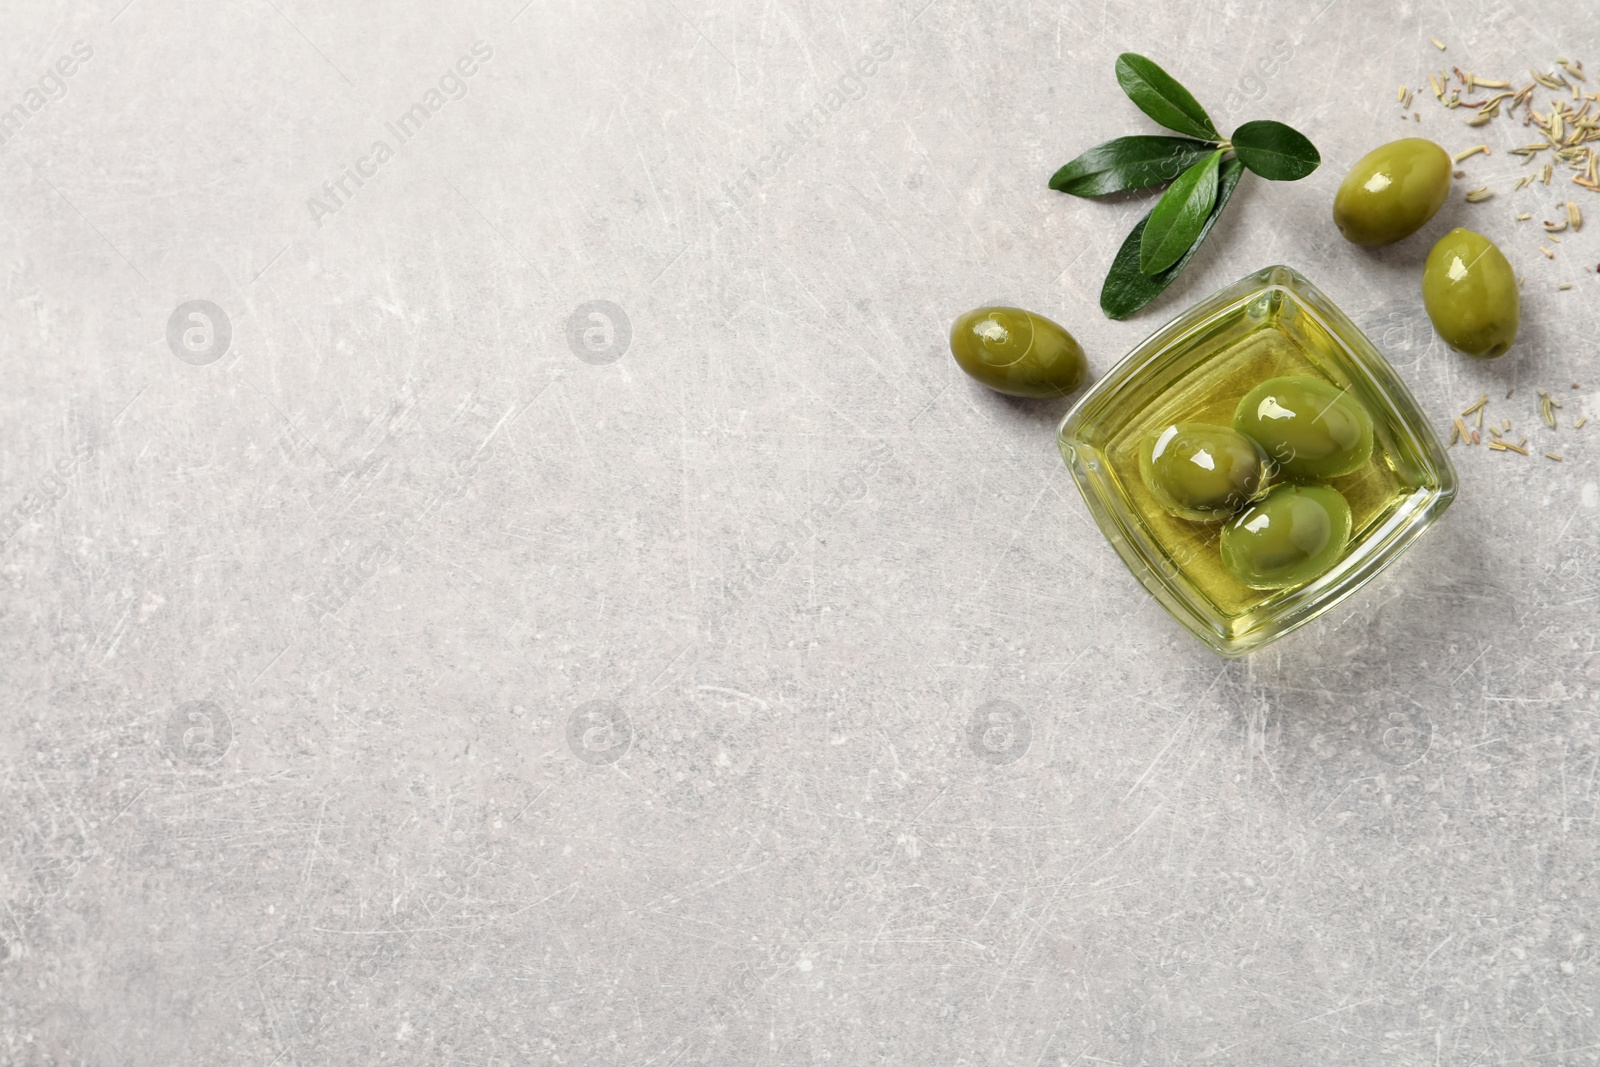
{"x": 1195, "y": 370}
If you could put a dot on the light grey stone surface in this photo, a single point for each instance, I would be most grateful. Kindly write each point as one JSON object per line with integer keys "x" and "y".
{"x": 407, "y": 682}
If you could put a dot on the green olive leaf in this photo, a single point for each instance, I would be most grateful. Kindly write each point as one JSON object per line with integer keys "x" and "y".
{"x": 1127, "y": 288}
{"x": 1178, "y": 216}
{"x": 1159, "y": 95}
{"x": 1129, "y": 163}
{"x": 1276, "y": 152}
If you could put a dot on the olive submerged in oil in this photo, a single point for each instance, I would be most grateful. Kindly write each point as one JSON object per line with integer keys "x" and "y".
{"x": 1309, "y": 427}
{"x": 1293, "y": 534}
{"x": 1200, "y": 472}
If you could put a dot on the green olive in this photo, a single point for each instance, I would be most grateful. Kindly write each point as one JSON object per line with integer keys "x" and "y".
{"x": 1202, "y": 472}
{"x": 1310, "y": 428}
{"x": 1392, "y": 191}
{"x": 1471, "y": 294}
{"x": 1017, "y": 352}
{"x": 1288, "y": 537}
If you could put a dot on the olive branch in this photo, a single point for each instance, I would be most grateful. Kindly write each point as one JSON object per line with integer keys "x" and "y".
{"x": 1203, "y": 168}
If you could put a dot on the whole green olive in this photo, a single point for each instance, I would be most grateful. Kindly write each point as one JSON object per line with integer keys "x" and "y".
{"x": 1392, "y": 191}
{"x": 1017, "y": 352}
{"x": 1310, "y": 428}
{"x": 1288, "y": 537}
{"x": 1202, "y": 472}
{"x": 1471, "y": 294}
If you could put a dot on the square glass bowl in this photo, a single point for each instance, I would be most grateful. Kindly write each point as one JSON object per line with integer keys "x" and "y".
{"x": 1195, "y": 369}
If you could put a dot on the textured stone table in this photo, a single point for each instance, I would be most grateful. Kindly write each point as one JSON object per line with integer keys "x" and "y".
{"x": 554, "y": 600}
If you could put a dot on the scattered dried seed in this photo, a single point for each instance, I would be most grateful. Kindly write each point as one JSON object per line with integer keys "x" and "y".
{"x": 1488, "y": 83}
{"x": 1574, "y": 216}
{"x": 1474, "y": 150}
{"x": 1564, "y": 285}
{"x": 1579, "y": 424}
{"x": 1475, "y": 438}
{"x": 1437, "y": 43}
{"x": 1546, "y": 250}
{"x": 1455, "y": 435}
{"x": 1547, "y": 409}
{"x": 1477, "y": 195}
{"x": 1546, "y": 175}
{"x": 1575, "y": 71}
{"x": 1555, "y": 227}
{"x": 1496, "y": 431}
{"x": 1552, "y": 455}
{"x": 1524, "y": 217}
{"x": 1482, "y": 400}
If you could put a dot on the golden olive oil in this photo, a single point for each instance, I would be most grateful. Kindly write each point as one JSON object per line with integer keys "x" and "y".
{"x": 1273, "y": 323}
{"x": 1267, "y": 339}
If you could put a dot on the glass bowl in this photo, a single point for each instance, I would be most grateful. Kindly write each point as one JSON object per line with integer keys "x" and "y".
{"x": 1195, "y": 369}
